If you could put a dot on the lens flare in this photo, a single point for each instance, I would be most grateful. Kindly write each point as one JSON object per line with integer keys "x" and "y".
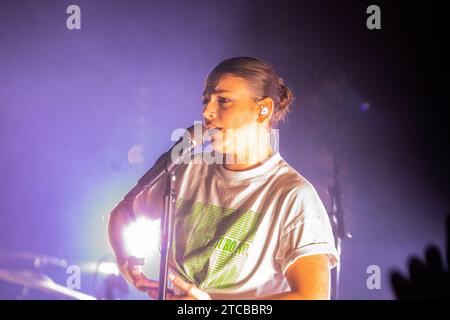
{"x": 142, "y": 237}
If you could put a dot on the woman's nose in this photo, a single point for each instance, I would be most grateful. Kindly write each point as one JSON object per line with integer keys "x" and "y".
{"x": 209, "y": 112}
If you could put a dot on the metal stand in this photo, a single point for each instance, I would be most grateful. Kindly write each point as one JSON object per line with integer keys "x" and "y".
{"x": 166, "y": 236}
{"x": 337, "y": 215}
{"x": 337, "y": 211}
{"x": 166, "y": 164}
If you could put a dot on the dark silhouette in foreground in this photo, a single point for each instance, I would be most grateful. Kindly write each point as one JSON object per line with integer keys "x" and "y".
{"x": 428, "y": 278}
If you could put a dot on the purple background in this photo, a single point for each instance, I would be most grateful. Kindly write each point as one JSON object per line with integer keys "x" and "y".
{"x": 72, "y": 104}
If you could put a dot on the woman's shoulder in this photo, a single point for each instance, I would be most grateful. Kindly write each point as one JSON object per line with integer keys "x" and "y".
{"x": 293, "y": 181}
{"x": 301, "y": 197}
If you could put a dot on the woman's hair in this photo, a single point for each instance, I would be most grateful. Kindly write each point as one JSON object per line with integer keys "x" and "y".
{"x": 262, "y": 79}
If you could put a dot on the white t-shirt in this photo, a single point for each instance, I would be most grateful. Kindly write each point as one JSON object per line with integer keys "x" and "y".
{"x": 237, "y": 232}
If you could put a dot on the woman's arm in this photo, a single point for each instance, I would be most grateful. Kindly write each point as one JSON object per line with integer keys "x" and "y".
{"x": 120, "y": 216}
{"x": 309, "y": 279}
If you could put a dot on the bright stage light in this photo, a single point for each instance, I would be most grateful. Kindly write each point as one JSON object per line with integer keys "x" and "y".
{"x": 142, "y": 237}
{"x": 108, "y": 268}
{"x": 103, "y": 267}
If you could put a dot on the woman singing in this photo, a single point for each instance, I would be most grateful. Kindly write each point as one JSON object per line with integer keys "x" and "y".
{"x": 247, "y": 225}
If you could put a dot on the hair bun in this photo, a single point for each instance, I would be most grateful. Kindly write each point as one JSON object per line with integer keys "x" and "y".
{"x": 285, "y": 99}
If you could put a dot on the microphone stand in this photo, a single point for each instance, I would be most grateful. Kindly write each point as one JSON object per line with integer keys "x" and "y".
{"x": 337, "y": 214}
{"x": 166, "y": 237}
{"x": 337, "y": 211}
{"x": 166, "y": 165}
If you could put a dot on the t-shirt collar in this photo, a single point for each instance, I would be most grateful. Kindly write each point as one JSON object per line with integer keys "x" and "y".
{"x": 265, "y": 168}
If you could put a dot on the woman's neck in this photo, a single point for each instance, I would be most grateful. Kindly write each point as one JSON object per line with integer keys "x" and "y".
{"x": 252, "y": 159}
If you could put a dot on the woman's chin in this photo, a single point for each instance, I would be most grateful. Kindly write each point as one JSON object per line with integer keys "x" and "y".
{"x": 217, "y": 146}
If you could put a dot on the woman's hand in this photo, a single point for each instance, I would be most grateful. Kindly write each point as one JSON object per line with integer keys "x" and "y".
{"x": 131, "y": 269}
{"x": 189, "y": 291}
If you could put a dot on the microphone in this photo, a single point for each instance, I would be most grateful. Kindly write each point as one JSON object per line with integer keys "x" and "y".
{"x": 193, "y": 136}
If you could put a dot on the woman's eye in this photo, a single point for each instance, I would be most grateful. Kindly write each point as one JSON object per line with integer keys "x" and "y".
{"x": 223, "y": 100}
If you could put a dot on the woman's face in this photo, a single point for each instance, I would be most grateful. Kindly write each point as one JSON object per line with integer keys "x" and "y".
{"x": 231, "y": 108}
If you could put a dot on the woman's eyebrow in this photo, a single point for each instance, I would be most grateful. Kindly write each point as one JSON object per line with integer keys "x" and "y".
{"x": 219, "y": 91}
{"x": 210, "y": 92}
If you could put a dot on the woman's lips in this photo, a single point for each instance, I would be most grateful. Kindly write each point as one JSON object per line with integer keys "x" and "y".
{"x": 215, "y": 133}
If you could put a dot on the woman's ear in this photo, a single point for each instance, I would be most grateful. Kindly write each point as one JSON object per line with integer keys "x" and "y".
{"x": 266, "y": 107}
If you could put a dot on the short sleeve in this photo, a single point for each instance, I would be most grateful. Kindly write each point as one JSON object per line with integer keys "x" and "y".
{"x": 306, "y": 229}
